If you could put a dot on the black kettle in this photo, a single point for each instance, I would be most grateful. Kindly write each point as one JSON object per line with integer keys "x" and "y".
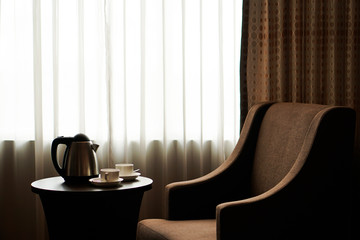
{"x": 80, "y": 162}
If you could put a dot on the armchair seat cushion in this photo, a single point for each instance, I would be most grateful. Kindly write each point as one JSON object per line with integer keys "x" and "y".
{"x": 160, "y": 229}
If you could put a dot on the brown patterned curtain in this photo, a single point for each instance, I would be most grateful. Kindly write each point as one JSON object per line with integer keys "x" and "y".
{"x": 301, "y": 51}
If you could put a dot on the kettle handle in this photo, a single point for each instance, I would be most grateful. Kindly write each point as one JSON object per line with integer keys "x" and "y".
{"x": 59, "y": 140}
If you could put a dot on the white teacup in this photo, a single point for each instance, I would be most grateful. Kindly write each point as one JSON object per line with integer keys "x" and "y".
{"x": 109, "y": 174}
{"x": 125, "y": 168}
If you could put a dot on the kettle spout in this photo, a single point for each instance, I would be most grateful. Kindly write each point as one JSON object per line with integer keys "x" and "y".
{"x": 94, "y": 146}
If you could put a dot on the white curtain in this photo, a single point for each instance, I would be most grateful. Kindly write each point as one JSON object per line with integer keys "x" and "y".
{"x": 153, "y": 82}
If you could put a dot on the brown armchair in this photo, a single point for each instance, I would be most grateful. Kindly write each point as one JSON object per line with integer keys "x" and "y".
{"x": 287, "y": 178}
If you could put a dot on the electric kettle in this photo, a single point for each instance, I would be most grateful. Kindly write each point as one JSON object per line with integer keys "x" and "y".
{"x": 80, "y": 162}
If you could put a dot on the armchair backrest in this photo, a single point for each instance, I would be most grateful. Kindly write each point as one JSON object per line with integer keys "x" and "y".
{"x": 281, "y": 137}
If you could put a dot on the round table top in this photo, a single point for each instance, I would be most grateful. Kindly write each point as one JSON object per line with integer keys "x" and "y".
{"x": 58, "y": 185}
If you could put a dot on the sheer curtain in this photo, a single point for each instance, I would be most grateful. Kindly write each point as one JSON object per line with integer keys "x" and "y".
{"x": 153, "y": 82}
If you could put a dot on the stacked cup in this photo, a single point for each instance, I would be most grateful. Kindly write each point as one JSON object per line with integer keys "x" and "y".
{"x": 125, "y": 169}
{"x": 113, "y": 176}
{"x": 109, "y": 174}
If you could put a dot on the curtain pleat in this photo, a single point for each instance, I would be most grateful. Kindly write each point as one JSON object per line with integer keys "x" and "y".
{"x": 155, "y": 83}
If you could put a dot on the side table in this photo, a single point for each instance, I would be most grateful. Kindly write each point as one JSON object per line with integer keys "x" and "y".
{"x": 84, "y": 211}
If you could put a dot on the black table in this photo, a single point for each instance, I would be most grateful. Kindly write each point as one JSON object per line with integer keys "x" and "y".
{"x": 84, "y": 211}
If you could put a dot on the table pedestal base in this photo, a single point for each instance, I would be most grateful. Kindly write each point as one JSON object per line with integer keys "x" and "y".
{"x": 100, "y": 217}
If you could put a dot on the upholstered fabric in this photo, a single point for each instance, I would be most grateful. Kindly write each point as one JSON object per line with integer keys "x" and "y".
{"x": 280, "y": 139}
{"x": 160, "y": 229}
{"x": 285, "y": 179}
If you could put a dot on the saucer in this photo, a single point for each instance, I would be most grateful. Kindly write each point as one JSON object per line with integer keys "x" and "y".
{"x": 103, "y": 183}
{"x": 130, "y": 177}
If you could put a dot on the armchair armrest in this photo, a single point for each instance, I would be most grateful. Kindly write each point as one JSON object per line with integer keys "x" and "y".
{"x": 290, "y": 210}
{"x": 260, "y": 217}
{"x": 198, "y": 198}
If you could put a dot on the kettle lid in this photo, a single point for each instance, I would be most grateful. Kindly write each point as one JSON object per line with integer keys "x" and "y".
{"x": 81, "y": 138}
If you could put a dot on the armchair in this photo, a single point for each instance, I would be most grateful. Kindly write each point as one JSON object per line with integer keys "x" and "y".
{"x": 287, "y": 178}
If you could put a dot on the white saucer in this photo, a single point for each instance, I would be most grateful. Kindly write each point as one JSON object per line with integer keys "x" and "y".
{"x": 130, "y": 177}
{"x": 103, "y": 183}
